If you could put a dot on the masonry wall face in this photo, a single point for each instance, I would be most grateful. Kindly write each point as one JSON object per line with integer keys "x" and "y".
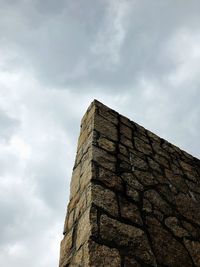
{"x": 134, "y": 200}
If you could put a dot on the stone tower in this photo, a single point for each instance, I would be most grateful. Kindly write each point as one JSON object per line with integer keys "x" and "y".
{"x": 134, "y": 199}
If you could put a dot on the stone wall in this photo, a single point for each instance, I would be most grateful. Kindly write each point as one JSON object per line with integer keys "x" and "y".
{"x": 134, "y": 199}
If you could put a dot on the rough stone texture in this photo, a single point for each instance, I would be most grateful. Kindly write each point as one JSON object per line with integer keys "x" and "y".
{"x": 134, "y": 198}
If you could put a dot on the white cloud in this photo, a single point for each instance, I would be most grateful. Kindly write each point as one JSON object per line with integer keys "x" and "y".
{"x": 111, "y": 35}
{"x": 184, "y": 50}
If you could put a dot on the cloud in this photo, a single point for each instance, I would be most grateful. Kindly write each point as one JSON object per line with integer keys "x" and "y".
{"x": 8, "y": 125}
{"x": 94, "y": 43}
{"x": 139, "y": 57}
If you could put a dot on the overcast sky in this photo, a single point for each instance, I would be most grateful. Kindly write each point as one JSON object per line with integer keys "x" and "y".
{"x": 141, "y": 58}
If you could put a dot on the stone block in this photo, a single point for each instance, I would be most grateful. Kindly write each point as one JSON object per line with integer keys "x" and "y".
{"x": 126, "y": 121}
{"x": 188, "y": 207}
{"x": 131, "y": 262}
{"x": 132, "y": 181}
{"x": 65, "y": 247}
{"x": 142, "y": 146}
{"x": 119, "y": 233}
{"x": 129, "y": 211}
{"x": 138, "y": 162}
{"x": 124, "y": 235}
{"x": 107, "y": 144}
{"x": 105, "y": 128}
{"x": 83, "y": 229}
{"x": 168, "y": 250}
{"x": 158, "y": 202}
{"x": 177, "y": 180}
{"x": 102, "y": 256}
{"x": 154, "y": 165}
{"x": 145, "y": 177}
{"x": 82, "y": 204}
{"x": 69, "y": 221}
{"x": 111, "y": 180}
{"x": 102, "y": 158}
{"x": 126, "y": 142}
{"x": 126, "y": 131}
{"x": 107, "y": 113}
{"x": 74, "y": 185}
{"x": 105, "y": 199}
{"x": 174, "y": 225}
{"x": 194, "y": 250}
{"x": 123, "y": 150}
{"x": 132, "y": 193}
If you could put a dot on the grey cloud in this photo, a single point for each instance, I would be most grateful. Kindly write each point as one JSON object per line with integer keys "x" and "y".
{"x": 8, "y": 125}
{"x": 57, "y": 41}
{"x": 48, "y": 173}
{"x": 173, "y": 113}
{"x": 8, "y": 161}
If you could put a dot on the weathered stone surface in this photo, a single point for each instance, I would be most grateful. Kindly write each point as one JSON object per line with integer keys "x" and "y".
{"x": 126, "y": 121}
{"x": 65, "y": 247}
{"x": 106, "y": 112}
{"x": 74, "y": 185}
{"x": 158, "y": 202}
{"x": 86, "y": 177}
{"x": 104, "y": 159}
{"x": 192, "y": 186}
{"x": 126, "y": 235}
{"x": 188, "y": 207}
{"x": 131, "y": 180}
{"x": 138, "y": 162}
{"x": 110, "y": 179}
{"x": 192, "y": 230}
{"x": 140, "y": 132}
{"x": 83, "y": 229}
{"x": 186, "y": 167}
{"x": 104, "y": 256}
{"x": 129, "y": 211}
{"x": 145, "y": 177}
{"x": 142, "y": 146}
{"x": 174, "y": 225}
{"x": 126, "y": 131}
{"x": 134, "y": 198}
{"x": 69, "y": 220}
{"x": 131, "y": 262}
{"x": 106, "y": 128}
{"x": 160, "y": 153}
{"x": 176, "y": 168}
{"x": 162, "y": 161}
{"x": 194, "y": 250}
{"x": 176, "y": 180}
{"x": 94, "y": 218}
{"x": 86, "y": 161}
{"x": 88, "y": 116}
{"x": 154, "y": 137}
{"x": 107, "y": 144}
{"x": 82, "y": 204}
{"x": 154, "y": 165}
{"x": 77, "y": 258}
{"x": 168, "y": 251}
{"x": 132, "y": 193}
{"x": 123, "y": 235}
{"x": 86, "y": 135}
{"x": 123, "y": 150}
{"x": 166, "y": 193}
{"x": 192, "y": 176}
{"x": 105, "y": 198}
{"x": 147, "y": 206}
{"x": 126, "y": 142}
